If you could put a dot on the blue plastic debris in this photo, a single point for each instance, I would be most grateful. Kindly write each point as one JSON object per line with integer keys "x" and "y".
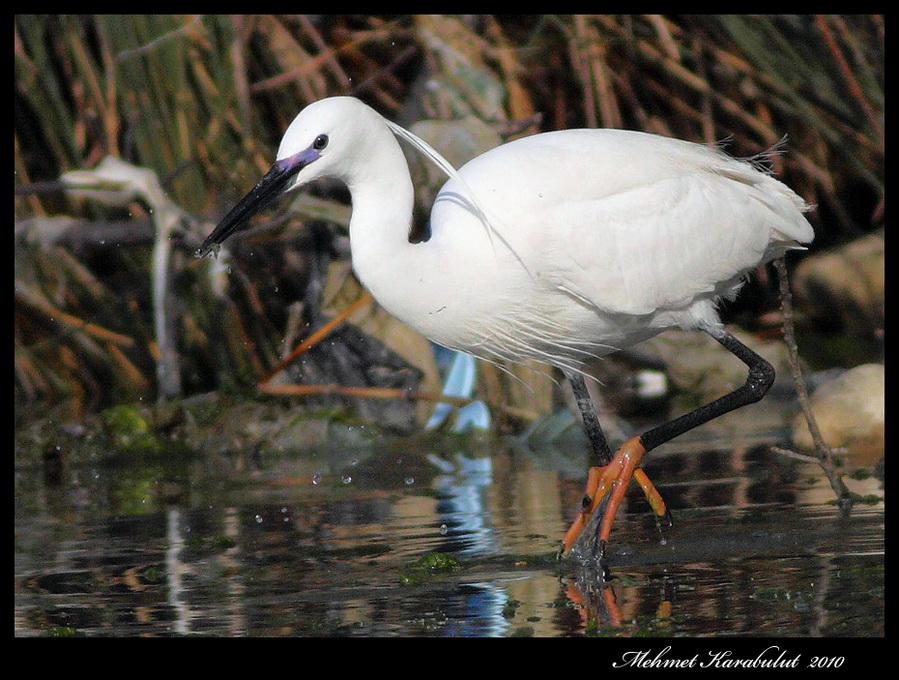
{"x": 461, "y": 380}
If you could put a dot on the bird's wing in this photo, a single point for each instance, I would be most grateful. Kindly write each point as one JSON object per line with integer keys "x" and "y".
{"x": 659, "y": 246}
{"x": 631, "y": 222}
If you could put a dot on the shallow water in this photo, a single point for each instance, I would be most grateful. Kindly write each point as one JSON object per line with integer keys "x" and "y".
{"x": 330, "y": 543}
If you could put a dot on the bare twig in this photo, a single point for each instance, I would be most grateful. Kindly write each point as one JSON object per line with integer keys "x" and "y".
{"x": 823, "y": 452}
{"x": 369, "y": 392}
{"x": 34, "y": 299}
{"x": 315, "y": 338}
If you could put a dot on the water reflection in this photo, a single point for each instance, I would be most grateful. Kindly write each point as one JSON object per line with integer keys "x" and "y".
{"x": 287, "y": 547}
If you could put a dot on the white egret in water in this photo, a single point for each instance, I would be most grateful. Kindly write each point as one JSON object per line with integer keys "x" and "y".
{"x": 559, "y": 247}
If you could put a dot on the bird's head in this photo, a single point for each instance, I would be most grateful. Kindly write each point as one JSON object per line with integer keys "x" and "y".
{"x": 318, "y": 143}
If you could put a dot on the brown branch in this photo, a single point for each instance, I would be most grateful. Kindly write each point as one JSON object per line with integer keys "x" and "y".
{"x": 315, "y": 338}
{"x": 369, "y": 392}
{"x": 823, "y": 452}
{"x": 26, "y": 295}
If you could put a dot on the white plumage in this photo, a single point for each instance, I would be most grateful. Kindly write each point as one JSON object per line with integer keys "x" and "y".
{"x": 597, "y": 239}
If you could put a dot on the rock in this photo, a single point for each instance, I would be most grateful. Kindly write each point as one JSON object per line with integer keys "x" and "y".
{"x": 850, "y": 412}
{"x": 844, "y": 285}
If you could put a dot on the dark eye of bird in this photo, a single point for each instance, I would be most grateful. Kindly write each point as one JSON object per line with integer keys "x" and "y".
{"x": 320, "y": 142}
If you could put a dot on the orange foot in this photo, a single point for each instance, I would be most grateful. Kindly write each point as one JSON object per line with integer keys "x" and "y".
{"x": 612, "y": 480}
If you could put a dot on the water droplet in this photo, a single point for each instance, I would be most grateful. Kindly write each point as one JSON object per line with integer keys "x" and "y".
{"x": 346, "y": 479}
{"x": 410, "y": 481}
{"x": 316, "y": 478}
{"x": 258, "y": 519}
{"x": 444, "y": 530}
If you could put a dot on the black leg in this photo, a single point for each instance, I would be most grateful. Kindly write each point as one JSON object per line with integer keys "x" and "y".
{"x": 601, "y": 490}
{"x": 601, "y": 455}
{"x": 758, "y": 382}
{"x": 608, "y": 478}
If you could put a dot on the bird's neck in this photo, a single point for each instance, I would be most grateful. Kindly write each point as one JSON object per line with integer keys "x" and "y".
{"x": 382, "y": 196}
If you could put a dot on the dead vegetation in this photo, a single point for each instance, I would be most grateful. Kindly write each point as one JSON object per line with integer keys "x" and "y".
{"x": 201, "y": 101}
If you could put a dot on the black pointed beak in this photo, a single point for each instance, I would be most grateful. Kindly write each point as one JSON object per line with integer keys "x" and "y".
{"x": 268, "y": 189}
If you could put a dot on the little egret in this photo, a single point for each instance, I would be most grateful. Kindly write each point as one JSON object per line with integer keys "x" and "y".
{"x": 560, "y": 247}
